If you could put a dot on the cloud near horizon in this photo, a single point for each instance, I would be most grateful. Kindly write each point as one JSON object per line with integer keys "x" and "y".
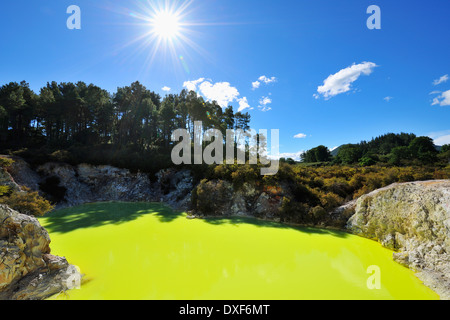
{"x": 440, "y": 138}
{"x": 342, "y": 81}
{"x": 221, "y": 92}
{"x": 441, "y": 141}
{"x": 297, "y": 156}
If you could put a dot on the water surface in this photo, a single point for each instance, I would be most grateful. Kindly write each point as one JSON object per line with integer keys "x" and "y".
{"x": 147, "y": 251}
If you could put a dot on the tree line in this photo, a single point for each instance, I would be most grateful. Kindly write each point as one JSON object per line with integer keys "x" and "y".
{"x": 394, "y": 149}
{"x": 64, "y": 114}
{"x": 80, "y": 123}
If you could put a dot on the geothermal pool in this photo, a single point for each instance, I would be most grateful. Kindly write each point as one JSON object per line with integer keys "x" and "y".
{"x": 148, "y": 251}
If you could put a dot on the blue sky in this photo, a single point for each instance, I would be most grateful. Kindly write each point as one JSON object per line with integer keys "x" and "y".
{"x": 323, "y": 75}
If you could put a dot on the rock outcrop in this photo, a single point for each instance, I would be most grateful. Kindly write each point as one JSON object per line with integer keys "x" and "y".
{"x": 174, "y": 188}
{"x": 7, "y": 180}
{"x": 27, "y": 269}
{"x": 221, "y": 198}
{"x": 75, "y": 185}
{"x": 23, "y": 175}
{"x": 86, "y": 183}
{"x": 414, "y": 220}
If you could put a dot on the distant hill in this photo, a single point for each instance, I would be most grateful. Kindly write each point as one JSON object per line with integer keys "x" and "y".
{"x": 335, "y": 152}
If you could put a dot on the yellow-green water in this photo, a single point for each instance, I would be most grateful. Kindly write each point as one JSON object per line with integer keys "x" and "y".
{"x": 148, "y": 251}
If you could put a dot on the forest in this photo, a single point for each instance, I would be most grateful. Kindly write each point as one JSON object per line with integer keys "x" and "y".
{"x": 77, "y": 122}
{"x": 389, "y": 149}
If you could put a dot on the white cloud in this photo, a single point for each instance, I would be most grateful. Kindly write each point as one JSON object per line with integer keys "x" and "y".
{"x": 267, "y": 80}
{"x": 440, "y": 138}
{"x": 221, "y": 92}
{"x": 341, "y": 82}
{"x": 332, "y": 149}
{"x": 265, "y": 101}
{"x": 263, "y": 79}
{"x": 388, "y": 99}
{"x": 300, "y": 136}
{"x": 441, "y": 80}
{"x": 192, "y": 85}
{"x": 263, "y": 104}
{"x": 243, "y": 104}
{"x": 294, "y": 155}
{"x": 442, "y": 100}
{"x": 435, "y": 92}
{"x": 256, "y": 84}
{"x": 166, "y": 89}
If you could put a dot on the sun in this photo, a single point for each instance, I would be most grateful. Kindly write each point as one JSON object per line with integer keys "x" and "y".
{"x": 166, "y": 25}
{"x": 167, "y": 30}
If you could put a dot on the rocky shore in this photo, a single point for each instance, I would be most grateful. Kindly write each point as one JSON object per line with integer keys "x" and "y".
{"x": 413, "y": 219}
{"x": 27, "y": 269}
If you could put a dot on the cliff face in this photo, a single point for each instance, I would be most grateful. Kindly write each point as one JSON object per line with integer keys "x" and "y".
{"x": 85, "y": 183}
{"x": 74, "y": 185}
{"x": 413, "y": 219}
{"x": 27, "y": 269}
{"x": 220, "y": 198}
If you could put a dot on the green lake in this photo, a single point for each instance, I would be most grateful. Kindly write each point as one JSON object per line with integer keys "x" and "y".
{"x": 148, "y": 251}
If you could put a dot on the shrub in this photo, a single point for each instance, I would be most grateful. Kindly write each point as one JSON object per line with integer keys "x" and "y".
{"x": 292, "y": 211}
{"x": 27, "y": 202}
{"x": 245, "y": 173}
{"x": 366, "y": 161}
{"x": 211, "y": 197}
{"x": 5, "y": 190}
{"x": 5, "y": 162}
{"x": 318, "y": 213}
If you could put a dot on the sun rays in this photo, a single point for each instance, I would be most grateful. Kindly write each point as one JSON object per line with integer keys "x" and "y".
{"x": 166, "y": 31}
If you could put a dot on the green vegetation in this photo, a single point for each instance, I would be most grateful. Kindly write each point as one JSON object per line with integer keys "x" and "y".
{"x": 5, "y": 162}
{"x": 27, "y": 202}
{"x": 319, "y": 154}
{"x": 80, "y": 123}
{"x": 24, "y": 201}
{"x": 444, "y": 155}
{"x": 306, "y": 193}
{"x": 390, "y": 149}
{"x": 4, "y": 191}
